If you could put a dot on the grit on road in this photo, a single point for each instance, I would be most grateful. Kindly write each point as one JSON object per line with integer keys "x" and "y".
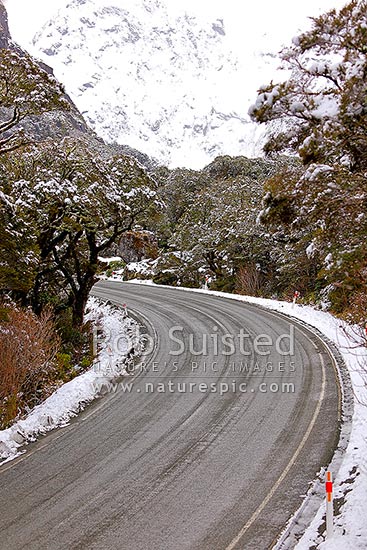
{"x": 192, "y": 467}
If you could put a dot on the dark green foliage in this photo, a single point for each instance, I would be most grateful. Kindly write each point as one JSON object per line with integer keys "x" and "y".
{"x": 69, "y": 207}
{"x": 321, "y": 209}
{"x": 210, "y": 222}
{"x": 114, "y": 266}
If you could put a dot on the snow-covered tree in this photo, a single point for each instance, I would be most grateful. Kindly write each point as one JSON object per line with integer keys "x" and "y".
{"x": 71, "y": 206}
{"x": 321, "y": 113}
{"x": 214, "y": 224}
{"x": 323, "y": 104}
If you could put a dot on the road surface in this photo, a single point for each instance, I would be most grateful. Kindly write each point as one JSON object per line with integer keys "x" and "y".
{"x": 178, "y": 462}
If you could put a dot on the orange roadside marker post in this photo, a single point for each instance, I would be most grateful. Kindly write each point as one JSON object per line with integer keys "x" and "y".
{"x": 296, "y": 295}
{"x": 329, "y": 505}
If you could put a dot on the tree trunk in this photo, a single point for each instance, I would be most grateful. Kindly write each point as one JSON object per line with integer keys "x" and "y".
{"x": 79, "y": 303}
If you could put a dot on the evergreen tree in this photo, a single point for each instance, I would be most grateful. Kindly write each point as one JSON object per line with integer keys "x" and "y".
{"x": 323, "y": 104}
{"x": 213, "y": 219}
{"x": 70, "y": 206}
{"x": 321, "y": 114}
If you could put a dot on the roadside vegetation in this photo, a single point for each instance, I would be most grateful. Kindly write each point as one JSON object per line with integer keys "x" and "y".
{"x": 62, "y": 206}
{"x": 322, "y": 111}
{"x": 294, "y": 220}
{"x": 29, "y": 359}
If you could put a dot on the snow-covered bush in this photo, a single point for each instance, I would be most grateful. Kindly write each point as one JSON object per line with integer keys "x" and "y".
{"x": 322, "y": 112}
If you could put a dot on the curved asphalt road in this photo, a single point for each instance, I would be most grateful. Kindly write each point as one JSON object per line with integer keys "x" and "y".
{"x": 176, "y": 471}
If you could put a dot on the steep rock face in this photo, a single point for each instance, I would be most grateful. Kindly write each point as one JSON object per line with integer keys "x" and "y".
{"x": 59, "y": 124}
{"x": 4, "y": 27}
{"x": 55, "y": 124}
{"x": 163, "y": 83}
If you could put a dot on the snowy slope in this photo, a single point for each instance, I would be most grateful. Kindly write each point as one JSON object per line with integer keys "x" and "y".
{"x": 164, "y": 83}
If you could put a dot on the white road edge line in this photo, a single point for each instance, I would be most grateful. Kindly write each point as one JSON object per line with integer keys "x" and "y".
{"x": 257, "y": 512}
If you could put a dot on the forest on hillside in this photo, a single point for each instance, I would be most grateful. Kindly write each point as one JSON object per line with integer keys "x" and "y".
{"x": 293, "y": 220}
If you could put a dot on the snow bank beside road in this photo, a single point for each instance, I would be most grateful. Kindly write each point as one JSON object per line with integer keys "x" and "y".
{"x": 350, "y": 484}
{"x": 120, "y": 343}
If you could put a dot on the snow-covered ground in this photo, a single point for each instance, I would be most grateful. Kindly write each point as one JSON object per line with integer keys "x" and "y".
{"x": 72, "y": 397}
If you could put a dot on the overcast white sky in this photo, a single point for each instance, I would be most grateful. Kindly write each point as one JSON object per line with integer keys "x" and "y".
{"x": 245, "y": 21}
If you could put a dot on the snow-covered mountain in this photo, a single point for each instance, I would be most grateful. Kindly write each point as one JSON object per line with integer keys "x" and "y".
{"x": 165, "y": 83}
